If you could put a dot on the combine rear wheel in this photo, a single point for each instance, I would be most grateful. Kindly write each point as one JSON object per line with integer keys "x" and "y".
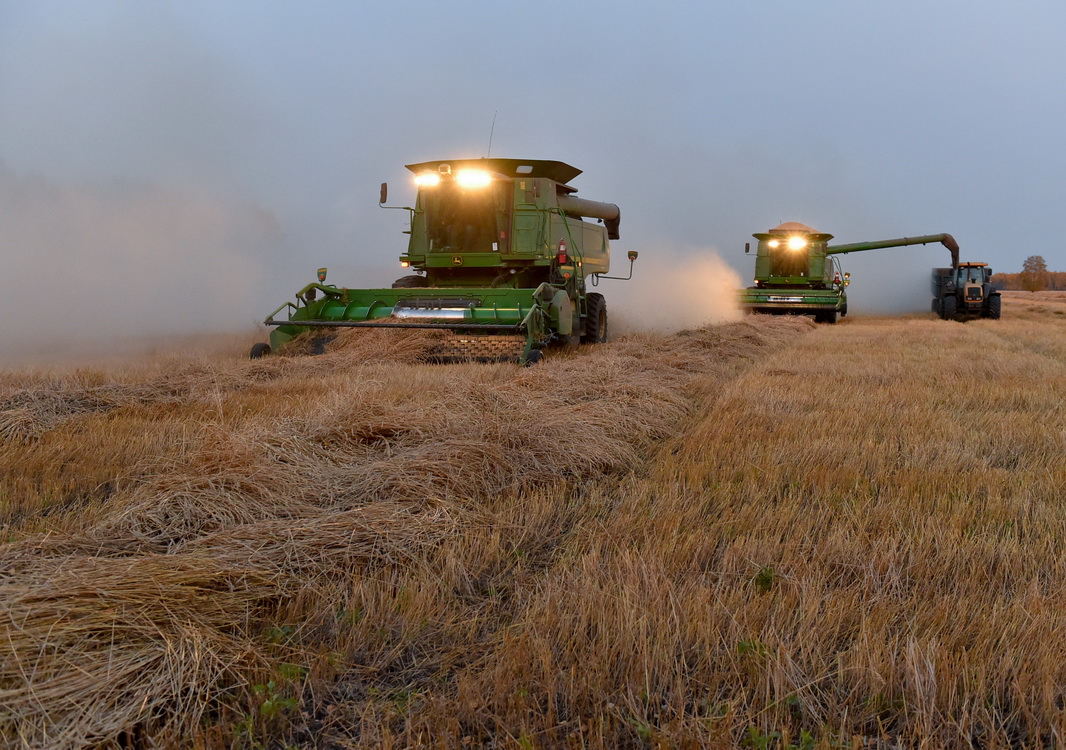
{"x": 995, "y": 306}
{"x": 259, "y": 351}
{"x": 596, "y": 321}
{"x": 410, "y": 282}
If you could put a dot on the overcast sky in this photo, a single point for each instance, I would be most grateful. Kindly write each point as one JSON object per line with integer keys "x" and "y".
{"x": 189, "y": 164}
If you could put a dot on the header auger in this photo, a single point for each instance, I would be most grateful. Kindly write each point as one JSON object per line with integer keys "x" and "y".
{"x": 796, "y": 271}
{"x": 502, "y": 254}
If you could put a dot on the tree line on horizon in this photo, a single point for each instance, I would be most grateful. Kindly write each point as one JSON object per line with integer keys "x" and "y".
{"x": 1034, "y": 277}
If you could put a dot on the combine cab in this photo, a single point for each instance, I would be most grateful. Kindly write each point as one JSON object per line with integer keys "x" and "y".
{"x": 796, "y": 271}
{"x": 503, "y": 254}
{"x": 965, "y": 290}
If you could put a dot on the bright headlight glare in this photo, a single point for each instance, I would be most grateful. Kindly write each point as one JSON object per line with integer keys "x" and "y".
{"x": 473, "y": 178}
{"x": 427, "y": 179}
{"x": 774, "y": 243}
{"x": 797, "y": 243}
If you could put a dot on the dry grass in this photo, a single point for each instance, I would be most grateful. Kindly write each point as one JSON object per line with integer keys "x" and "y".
{"x": 752, "y": 531}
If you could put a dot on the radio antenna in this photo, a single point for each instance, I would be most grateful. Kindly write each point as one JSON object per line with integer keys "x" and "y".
{"x": 491, "y": 132}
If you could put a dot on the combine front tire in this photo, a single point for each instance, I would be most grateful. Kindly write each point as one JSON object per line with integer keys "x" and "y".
{"x": 259, "y": 351}
{"x": 596, "y": 320}
{"x": 826, "y": 317}
{"x": 410, "y": 282}
{"x": 995, "y": 306}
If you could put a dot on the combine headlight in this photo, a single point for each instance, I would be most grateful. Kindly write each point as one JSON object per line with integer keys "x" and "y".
{"x": 473, "y": 178}
{"x": 774, "y": 244}
{"x": 427, "y": 179}
{"x": 797, "y": 243}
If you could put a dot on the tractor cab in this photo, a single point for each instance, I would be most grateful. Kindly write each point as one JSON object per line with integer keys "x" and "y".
{"x": 972, "y": 279}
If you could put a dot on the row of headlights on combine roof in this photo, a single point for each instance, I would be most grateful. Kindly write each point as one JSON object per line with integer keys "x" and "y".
{"x": 464, "y": 178}
{"x": 792, "y": 243}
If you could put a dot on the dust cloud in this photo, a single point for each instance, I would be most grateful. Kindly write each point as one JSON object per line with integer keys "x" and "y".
{"x": 893, "y": 281}
{"x": 90, "y": 266}
{"x": 671, "y": 290}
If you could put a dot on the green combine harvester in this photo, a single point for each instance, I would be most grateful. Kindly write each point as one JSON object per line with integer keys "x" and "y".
{"x": 797, "y": 272}
{"x": 503, "y": 254}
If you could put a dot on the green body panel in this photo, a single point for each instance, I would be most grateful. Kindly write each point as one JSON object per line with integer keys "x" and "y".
{"x": 518, "y": 219}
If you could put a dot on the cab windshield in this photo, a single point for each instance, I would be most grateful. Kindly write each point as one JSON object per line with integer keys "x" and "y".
{"x": 785, "y": 262}
{"x": 467, "y": 220}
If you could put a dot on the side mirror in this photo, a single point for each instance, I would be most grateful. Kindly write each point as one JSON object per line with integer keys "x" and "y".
{"x": 384, "y": 193}
{"x": 632, "y": 255}
{"x": 747, "y": 247}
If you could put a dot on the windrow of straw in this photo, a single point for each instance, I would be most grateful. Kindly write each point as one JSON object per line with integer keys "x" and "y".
{"x": 94, "y": 646}
{"x": 27, "y": 413}
{"x": 147, "y": 622}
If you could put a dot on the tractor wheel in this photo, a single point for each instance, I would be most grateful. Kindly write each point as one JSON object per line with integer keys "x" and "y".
{"x": 947, "y": 308}
{"x": 995, "y": 306}
{"x": 410, "y": 282}
{"x": 259, "y": 351}
{"x": 596, "y": 320}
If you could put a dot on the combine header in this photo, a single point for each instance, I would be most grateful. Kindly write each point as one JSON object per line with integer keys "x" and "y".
{"x": 796, "y": 271}
{"x": 503, "y": 255}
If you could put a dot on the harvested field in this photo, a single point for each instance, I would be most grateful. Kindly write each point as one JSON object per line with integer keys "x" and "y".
{"x": 767, "y": 532}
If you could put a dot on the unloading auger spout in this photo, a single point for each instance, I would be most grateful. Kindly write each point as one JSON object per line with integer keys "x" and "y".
{"x": 579, "y": 207}
{"x": 945, "y": 239}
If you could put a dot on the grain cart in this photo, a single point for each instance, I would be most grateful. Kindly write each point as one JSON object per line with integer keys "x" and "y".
{"x": 965, "y": 289}
{"x": 502, "y": 253}
{"x": 797, "y": 272}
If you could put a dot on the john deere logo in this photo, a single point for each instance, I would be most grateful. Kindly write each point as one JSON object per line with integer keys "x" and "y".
{"x": 457, "y": 260}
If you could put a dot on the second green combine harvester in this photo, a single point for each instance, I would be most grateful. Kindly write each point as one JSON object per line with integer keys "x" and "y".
{"x": 796, "y": 271}
{"x": 503, "y": 254}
